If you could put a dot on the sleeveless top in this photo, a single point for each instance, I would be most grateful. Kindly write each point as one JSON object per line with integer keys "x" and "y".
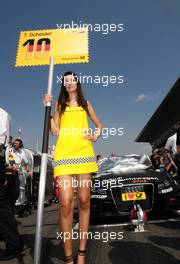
{"x": 73, "y": 153}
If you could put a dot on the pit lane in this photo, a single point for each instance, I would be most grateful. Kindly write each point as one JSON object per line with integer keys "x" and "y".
{"x": 160, "y": 243}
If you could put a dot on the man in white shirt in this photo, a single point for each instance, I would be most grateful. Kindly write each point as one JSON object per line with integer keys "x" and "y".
{"x": 5, "y": 126}
{"x": 19, "y": 155}
{"x": 19, "y": 168}
{"x": 8, "y": 224}
{"x": 171, "y": 143}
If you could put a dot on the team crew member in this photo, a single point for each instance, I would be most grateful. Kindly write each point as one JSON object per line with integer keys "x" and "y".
{"x": 8, "y": 225}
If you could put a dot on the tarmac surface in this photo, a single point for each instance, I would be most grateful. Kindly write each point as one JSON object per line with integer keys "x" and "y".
{"x": 111, "y": 241}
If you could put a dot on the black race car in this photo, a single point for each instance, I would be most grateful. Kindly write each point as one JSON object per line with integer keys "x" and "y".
{"x": 132, "y": 182}
{"x": 124, "y": 181}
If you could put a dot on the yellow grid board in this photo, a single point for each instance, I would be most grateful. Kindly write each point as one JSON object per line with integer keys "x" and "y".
{"x": 66, "y": 46}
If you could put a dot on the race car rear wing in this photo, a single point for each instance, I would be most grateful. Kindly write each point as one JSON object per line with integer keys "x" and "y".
{"x": 165, "y": 121}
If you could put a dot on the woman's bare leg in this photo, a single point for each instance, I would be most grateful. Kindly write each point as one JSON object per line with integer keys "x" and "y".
{"x": 66, "y": 205}
{"x": 83, "y": 195}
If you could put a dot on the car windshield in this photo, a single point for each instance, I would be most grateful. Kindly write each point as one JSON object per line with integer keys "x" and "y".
{"x": 107, "y": 164}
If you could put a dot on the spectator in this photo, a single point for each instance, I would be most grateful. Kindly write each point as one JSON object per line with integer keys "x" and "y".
{"x": 8, "y": 225}
{"x": 171, "y": 144}
{"x": 17, "y": 163}
{"x": 8, "y": 148}
{"x": 155, "y": 158}
{"x": 98, "y": 158}
{"x": 113, "y": 154}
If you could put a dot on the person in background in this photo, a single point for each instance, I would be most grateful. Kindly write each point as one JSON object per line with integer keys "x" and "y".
{"x": 8, "y": 224}
{"x": 8, "y": 148}
{"x": 17, "y": 163}
{"x": 178, "y": 139}
{"x": 113, "y": 154}
{"x": 98, "y": 158}
{"x": 171, "y": 144}
{"x": 155, "y": 158}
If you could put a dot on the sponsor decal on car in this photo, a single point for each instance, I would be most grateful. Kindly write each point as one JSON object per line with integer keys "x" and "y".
{"x": 98, "y": 196}
{"x": 167, "y": 190}
{"x": 133, "y": 196}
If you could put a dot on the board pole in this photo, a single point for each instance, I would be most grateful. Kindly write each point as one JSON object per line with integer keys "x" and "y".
{"x": 43, "y": 171}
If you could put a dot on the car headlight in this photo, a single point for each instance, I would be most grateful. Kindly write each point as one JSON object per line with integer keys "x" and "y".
{"x": 161, "y": 186}
{"x": 164, "y": 185}
{"x": 167, "y": 183}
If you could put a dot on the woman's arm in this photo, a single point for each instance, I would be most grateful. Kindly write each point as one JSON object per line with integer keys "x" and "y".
{"x": 55, "y": 121}
{"x": 96, "y": 122}
{"x": 55, "y": 118}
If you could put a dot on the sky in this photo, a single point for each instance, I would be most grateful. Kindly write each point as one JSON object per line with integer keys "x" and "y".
{"x": 146, "y": 53}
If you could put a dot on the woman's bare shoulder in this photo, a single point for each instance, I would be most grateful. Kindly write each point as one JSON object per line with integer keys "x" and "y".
{"x": 89, "y": 105}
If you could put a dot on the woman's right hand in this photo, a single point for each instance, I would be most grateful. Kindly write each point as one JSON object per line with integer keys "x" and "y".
{"x": 47, "y": 98}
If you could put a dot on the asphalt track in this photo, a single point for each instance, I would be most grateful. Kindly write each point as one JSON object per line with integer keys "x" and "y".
{"x": 160, "y": 243}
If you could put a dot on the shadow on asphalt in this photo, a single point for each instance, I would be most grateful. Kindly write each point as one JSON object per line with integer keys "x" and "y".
{"x": 126, "y": 219}
{"x": 170, "y": 242}
{"x": 138, "y": 253}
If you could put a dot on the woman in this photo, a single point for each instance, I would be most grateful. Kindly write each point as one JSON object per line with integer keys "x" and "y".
{"x": 74, "y": 155}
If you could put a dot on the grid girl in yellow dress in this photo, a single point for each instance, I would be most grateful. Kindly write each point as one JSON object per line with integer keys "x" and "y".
{"x": 74, "y": 154}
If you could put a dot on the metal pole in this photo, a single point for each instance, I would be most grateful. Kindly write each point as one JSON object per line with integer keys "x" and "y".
{"x": 42, "y": 182}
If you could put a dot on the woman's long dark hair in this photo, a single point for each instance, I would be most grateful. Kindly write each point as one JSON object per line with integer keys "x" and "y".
{"x": 63, "y": 96}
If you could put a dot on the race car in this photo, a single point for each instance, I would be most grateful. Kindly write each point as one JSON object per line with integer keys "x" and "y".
{"x": 133, "y": 181}
{"x": 124, "y": 181}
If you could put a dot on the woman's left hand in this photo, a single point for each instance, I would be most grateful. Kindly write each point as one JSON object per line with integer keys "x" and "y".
{"x": 90, "y": 137}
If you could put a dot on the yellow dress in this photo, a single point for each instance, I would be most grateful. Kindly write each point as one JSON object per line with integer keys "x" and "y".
{"x": 73, "y": 153}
